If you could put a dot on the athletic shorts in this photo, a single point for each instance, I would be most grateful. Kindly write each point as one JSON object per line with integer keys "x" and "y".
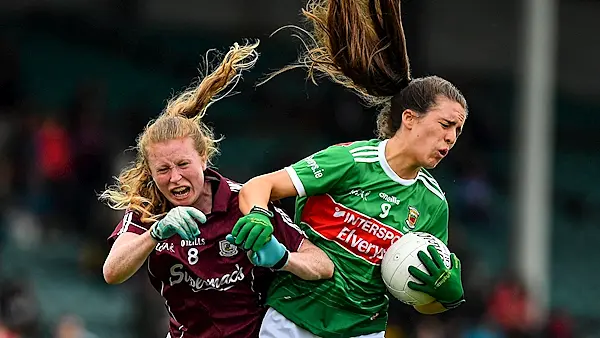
{"x": 275, "y": 325}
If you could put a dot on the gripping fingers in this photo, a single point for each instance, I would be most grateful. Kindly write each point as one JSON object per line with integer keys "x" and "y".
{"x": 238, "y": 226}
{"x": 455, "y": 262}
{"x": 189, "y": 225}
{"x": 180, "y": 230}
{"x": 429, "y": 264}
{"x": 192, "y": 227}
{"x": 251, "y": 240}
{"x": 435, "y": 255}
{"x": 417, "y": 287}
{"x": 419, "y": 275}
{"x": 196, "y": 214}
{"x": 243, "y": 233}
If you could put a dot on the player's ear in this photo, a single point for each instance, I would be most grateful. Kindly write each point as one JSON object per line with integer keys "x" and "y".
{"x": 409, "y": 118}
{"x": 204, "y": 162}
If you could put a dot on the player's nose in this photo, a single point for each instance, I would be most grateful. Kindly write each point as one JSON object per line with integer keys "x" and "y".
{"x": 175, "y": 175}
{"x": 451, "y": 137}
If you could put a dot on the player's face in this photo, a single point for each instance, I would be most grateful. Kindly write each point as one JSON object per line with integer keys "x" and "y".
{"x": 436, "y": 132}
{"x": 178, "y": 170}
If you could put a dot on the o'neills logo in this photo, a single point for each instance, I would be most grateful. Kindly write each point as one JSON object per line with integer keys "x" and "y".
{"x": 388, "y": 198}
{"x": 362, "y": 235}
{"x": 223, "y": 283}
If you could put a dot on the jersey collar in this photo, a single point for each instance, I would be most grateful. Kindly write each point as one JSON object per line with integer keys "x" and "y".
{"x": 388, "y": 170}
{"x": 222, "y": 195}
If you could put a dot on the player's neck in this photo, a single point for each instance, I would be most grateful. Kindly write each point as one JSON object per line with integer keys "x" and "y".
{"x": 205, "y": 201}
{"x": 397, "y": 155}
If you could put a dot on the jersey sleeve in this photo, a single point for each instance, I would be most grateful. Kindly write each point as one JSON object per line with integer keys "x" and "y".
{"x": 129, "y": 223}
{"x": 286, "y": 231}
{"x": 322, "y": 171}
{"x": 439, "y": 223}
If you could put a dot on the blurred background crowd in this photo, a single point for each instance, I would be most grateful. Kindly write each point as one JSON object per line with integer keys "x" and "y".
{"x": 79, "y": 80}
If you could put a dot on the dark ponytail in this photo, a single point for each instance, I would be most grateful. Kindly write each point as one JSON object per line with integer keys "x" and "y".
{"x": 360, "y": 44}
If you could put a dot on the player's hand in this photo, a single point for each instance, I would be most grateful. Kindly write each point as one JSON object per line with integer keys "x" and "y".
{"x": 442, "y": 283}
{"x": 179, "y": 220}
{"x": 254, "y": 230}
{"x": 272, "y": 255}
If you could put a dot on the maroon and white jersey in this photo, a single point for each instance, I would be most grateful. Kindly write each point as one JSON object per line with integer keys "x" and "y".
{"x": 210, "y": 287}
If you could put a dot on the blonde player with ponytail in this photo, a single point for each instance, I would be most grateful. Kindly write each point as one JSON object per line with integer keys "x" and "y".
{"x": 178, "y": 212}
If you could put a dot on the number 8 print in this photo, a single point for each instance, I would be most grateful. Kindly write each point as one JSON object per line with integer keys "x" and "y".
{"x": 193, "y": 256}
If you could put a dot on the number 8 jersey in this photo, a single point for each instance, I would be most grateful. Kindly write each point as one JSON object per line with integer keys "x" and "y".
{"x": 353, "y": 206}
{"x": 210, "y": 287}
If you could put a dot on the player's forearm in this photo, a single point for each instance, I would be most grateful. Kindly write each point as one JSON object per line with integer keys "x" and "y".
{"x": 431, "y": 308}
{"x": 255, "y": 192}
{"x": 311, "y": 264}
{"x": 127, "y": 255}
{"x": 262, "y": 189}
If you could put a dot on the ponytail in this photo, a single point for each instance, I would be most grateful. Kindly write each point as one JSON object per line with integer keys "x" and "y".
{"x": 359, "y": 44}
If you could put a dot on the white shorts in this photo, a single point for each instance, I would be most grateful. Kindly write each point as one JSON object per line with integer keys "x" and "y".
{"x": 275, "y": 325}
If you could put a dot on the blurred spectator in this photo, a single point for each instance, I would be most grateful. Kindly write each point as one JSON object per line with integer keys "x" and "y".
{"x": 483, "y": 329}
{"x": 5, "y": 332}
{"x": 19, "y": 312}
{"x": 71, "y": 326}
{"x": 54, "y": 164}
{"x": 90, "y": 160}
{"x": 430, "y": 327}
{"x": 511, "y": 307}
{"x": 560, "y": 325}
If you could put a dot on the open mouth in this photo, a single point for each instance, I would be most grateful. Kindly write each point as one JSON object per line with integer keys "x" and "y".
{"x": 443, "y": 152}
{"x": 181, "y": 192}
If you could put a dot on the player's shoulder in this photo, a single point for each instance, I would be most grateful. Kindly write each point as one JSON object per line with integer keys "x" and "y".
{"x": 364, "y": 151}
{"x": 227, "y": 189}
{"x": 132, "y": 218}
{"x": 234, "y": 187}
{"x": 233, "y": 190}
{"x": 429, "y": 183}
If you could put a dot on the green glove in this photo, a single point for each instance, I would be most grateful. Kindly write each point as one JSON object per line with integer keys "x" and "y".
{"x": 442, "y": 283}
{"x": 179, "y": 220}
{"x": 254, "y": 230}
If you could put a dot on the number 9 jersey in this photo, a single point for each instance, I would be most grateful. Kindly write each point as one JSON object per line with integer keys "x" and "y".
{"x": 353, "y": 206}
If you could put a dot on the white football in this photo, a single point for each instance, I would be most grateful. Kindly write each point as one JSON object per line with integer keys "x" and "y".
{"x": 401, "y": 255}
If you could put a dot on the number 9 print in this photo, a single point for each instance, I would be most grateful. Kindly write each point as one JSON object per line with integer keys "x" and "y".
{"x": 385, "y": 210}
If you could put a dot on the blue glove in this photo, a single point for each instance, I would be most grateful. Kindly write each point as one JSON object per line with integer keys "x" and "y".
{"x": 272, "y": 255}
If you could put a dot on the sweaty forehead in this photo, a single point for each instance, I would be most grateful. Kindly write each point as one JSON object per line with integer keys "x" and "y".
{"x": 169, "y": 151}
{"x": 450, "y": 110}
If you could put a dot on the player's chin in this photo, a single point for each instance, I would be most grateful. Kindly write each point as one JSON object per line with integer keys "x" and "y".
{"x": 432, "y": 163}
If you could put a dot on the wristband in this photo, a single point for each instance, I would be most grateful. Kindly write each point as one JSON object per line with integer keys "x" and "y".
{"x": 455, "y": 304}
{"x": 282, "y": 262}
{"x": 262, "y": 211}
{"x": 153, "y": 235}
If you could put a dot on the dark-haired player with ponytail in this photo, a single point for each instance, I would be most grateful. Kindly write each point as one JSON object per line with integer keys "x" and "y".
{"x": 356, "y": 199}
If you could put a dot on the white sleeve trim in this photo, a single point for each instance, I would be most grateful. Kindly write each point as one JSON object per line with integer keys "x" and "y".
{"x": 296, "y": 181}
{"x": 300, "y": 245}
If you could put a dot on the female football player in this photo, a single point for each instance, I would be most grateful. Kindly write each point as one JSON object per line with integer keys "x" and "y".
{"x": 178, "y": 212}
{"x": 356, "y": 199}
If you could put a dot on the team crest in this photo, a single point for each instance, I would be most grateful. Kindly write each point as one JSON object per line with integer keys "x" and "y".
{"x": 227, "y": 249}
{"x": 413, "y": 216}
